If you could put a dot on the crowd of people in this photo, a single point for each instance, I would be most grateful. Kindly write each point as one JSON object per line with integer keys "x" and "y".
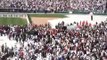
{"x": 44, "y": 43}
{"x": 54, "y": 5}
{"x": 89, "y": 5}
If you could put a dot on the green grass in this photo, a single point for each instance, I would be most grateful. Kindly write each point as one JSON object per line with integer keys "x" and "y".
{"x": 48, "y": 15}
{"x": 20, "y": 21}
{"x": 12, "y": 21}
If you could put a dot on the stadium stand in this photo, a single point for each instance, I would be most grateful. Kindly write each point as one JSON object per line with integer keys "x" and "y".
{"x": 52, "y": 5}
{"x": 44, "y": 43}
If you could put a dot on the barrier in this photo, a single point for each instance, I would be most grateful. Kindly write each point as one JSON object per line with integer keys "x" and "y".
{"x": 13, "y": 15}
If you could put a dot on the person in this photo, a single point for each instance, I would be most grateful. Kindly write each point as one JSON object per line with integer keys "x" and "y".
{"x": 91, "y": 14}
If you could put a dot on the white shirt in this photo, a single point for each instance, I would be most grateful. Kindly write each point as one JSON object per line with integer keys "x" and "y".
{"x": 91, "y": 13}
